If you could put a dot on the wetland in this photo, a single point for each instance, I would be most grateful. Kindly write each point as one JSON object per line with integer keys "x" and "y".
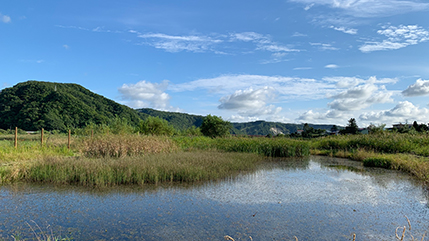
{"x": 312, "y": 198}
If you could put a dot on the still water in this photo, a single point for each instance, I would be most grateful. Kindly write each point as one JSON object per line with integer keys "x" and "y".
{"x": 317, "y": 198}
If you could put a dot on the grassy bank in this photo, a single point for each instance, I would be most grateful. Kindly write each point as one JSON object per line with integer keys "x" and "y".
{"x": 405, "y": 152}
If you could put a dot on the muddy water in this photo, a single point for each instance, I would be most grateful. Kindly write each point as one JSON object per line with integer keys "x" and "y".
{"x": 316, "y": 198}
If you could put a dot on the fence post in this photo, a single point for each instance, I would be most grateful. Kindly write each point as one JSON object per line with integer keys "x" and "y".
{"x": 68, "y": 145}
{"x": 41, "y": 137}
{"x": 92, "y": 134}
{"x": 16, "y": 137}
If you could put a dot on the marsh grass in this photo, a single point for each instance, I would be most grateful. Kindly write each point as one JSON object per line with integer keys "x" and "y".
{"x": 415, "y": 165}
{"x": 153, "y": 168}
{"x": 386, "y": 142}
{"x": 270, "y": 147}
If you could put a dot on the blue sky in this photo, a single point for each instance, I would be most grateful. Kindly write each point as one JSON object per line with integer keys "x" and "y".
{"x": 293, "y": 61}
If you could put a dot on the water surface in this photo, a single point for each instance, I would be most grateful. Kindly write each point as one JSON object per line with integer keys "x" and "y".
{"x": 316, "y": 198}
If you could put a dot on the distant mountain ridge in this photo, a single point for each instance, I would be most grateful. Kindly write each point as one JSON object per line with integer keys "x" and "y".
{"x": 33, "y": 105}
{"x": 183, "y": 121}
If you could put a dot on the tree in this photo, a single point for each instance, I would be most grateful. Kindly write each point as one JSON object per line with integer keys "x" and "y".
{"x": 156, "y": 126}
{"x": 351, "y": 128}
{"x": 214, "y": 126}
{"x": 373, "y": 129}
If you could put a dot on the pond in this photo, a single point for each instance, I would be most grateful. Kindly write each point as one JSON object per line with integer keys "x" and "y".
{"x": 316, "y": 198}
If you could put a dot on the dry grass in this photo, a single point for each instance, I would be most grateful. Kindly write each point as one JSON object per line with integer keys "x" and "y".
{"x": 125, "y": 145}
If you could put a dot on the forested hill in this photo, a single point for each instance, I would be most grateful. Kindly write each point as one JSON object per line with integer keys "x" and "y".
{"x": 183, "y": 121}
{"x": 33, "y": 105}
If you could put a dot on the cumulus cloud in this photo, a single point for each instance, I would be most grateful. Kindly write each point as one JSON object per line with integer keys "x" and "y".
{"x": 402, "y": 112}
{"x": 370, "y": 8}
{"x": 397, "y": 37}
{"x": 421, "y": 87}
{"x": 5, "y": 18}
{"x": 145, "y": 94}
{"x": 345, "y": 30}
{"x": 330, "y": 116}
{"x": 251, "y": 102}
{"x": 360, "y": 97}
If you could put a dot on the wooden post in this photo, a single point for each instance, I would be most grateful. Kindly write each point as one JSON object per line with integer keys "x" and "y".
{"x": 92, "y": 133}
{"x": 41, "y": 137}
{"x": 68, "y": 145}
{"x": 16, "y": 137}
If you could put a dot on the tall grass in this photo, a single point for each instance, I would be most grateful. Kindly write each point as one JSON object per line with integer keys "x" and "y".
{"x": 125, "y": 145}
{"x": 386, "y": 142}
{"x": 270, "y": 147}
{"x": 153, "y": 168}
{"x": 405, "y": 152}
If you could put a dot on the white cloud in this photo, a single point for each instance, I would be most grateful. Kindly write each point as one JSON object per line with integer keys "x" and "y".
{"x": 66, "y": 46}
{"x": 397, "y": 37}
{"x": 323, "y": 46}
{"x": 145, "y": 94}
{"x": 171, "y": 43}
{"x": 345, "y": 30}
{"x": 287, "y": 87}
{"x": 402, "y": 112}
{"x": 5, "y": 18}
{"x": 302, "y": 68}
{"x": 360, "y": 97}
{"x": 331, "y": 66}
{"x": 330, "y": 116}
{"x": 250, "y": 37}
{"x": 297, "y": 34}
{"x": 347, "y": 82}
{"x": 421, "y": 87}
{"x": 251, "y": 103}
{"x": 370, "y": 8}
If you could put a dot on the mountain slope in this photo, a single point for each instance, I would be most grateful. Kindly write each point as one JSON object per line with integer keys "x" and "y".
{"x": 33, "y": 105}
{"x": 183, "y": 121}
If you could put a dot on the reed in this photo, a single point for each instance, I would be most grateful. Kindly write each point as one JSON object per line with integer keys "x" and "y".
{"x": 386, "y": 142}
{"x": 151, "y": 168}
{"x": 270, "y": 147}
{"x": 125, "y": 145}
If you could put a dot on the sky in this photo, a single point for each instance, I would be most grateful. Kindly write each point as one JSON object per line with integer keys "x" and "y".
{"x": 290, "y": 61}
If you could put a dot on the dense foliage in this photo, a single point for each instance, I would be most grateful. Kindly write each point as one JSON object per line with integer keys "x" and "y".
{"x": 214, "y": 126}
{"x": 33, "y": 105}
{"x": 156, "y": 126}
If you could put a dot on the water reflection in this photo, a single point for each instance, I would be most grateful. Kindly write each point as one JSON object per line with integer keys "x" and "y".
{"x": 316, "y": 198}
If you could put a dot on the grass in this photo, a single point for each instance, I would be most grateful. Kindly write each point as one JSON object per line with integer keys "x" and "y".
{"x": 105, "y": 156}
{"x": 270, "y": 147}
{"x": 405, "y": 152}
{"x": 151, "y": 168}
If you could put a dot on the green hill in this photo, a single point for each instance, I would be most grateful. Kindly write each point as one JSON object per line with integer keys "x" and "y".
{"x": 33, "y": 105}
